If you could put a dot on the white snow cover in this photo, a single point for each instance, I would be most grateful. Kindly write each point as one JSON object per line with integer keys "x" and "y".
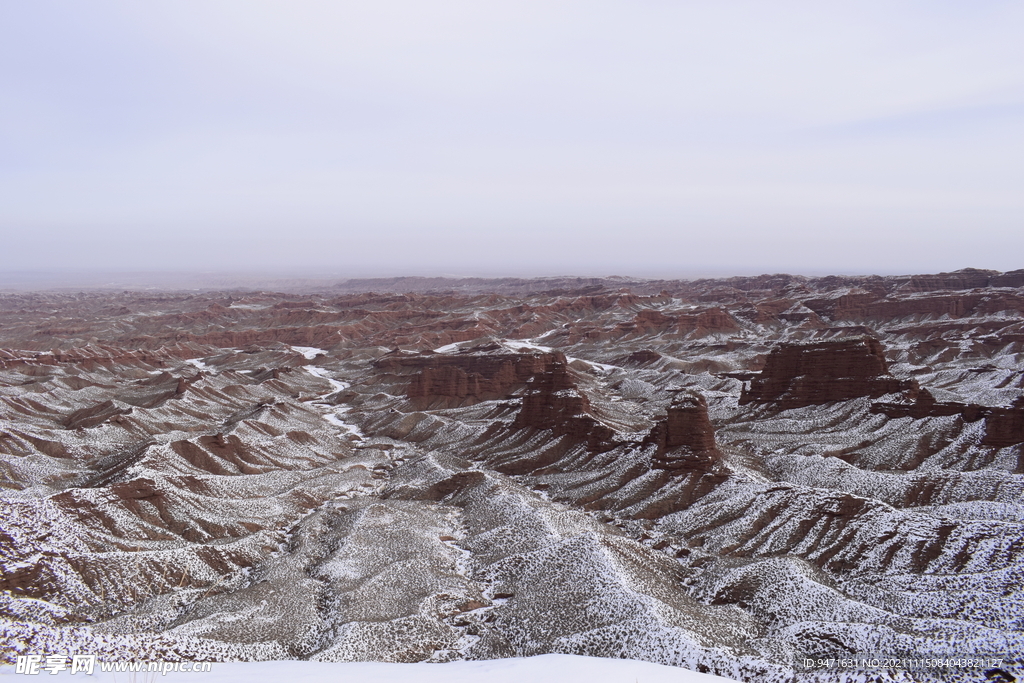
{"x": 527, "y": 344}
{"x": 198, "y": 363}
{"x": 323, "y": 374}
{"x": 337, "y": 420}
{"x": 510, "y": 344}
{"x": 309, "y": 352}
{"x": 540, "y": 669}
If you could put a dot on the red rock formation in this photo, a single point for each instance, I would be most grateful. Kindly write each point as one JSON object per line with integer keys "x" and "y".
{"x": 698, "y": 323}
{"x": 706, "y": 322}
{"x": 650, "y": 320}
{"x": 966, "y": 278}
{"x": 554, "y": 402}
{"x": 94, "y": 415}
{"x": 685, "y": 439}
{"x": 478, "y": 373}
{"x": 925, "y": 405}
{"x": 869, "y": 307}
{"x": 1014, "y": 278}
{"x": 852, "y": 306}
{"x": 798, "y": 375}
{"x": 1005, "y": 426}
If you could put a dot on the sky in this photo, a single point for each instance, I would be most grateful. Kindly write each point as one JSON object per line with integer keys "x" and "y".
{"x": 394, "y": 137}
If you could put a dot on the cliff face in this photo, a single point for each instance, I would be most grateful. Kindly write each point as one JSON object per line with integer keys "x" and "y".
{"x": 554, "y": 401}
{"x": 480, "y": 374}
{"x": 551, "y": 399}
{"x": 1005, "y": 426}
{"x": 685, "y": 439}
{"x": 798, "y": 375}
{"x": 925, "y": 405}
{"x": 696, "y": 323}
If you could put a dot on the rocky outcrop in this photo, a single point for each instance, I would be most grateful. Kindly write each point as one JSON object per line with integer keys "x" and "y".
{"x": 551, "y": 398}
{"x": 710, "y": 321}
{"x": 29, "y": 580}
{"x": 685, "y": 439}
{"x": 925, "y": 405}
{"x": 480, "y": 373}
{"x": 553, "y": 401}
{"x": 1005, "y": 426}
{"x": 966, "y": 278}
{"x": 94, "y": 415}
{"x": 798, "y": 375}
{"x": 695, "y": 323}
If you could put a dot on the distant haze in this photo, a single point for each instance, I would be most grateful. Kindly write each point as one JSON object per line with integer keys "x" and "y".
{"x": 383, "y": 138}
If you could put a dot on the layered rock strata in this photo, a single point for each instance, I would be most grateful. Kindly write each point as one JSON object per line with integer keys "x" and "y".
{"x": 685, "y": 439}
{"x": 479, "y": 374}
{"x": 798, "y": 375}
{"x": 554, "y": 402}
{"x": 1005, "y": 426}
{"x": 925, "y": 405}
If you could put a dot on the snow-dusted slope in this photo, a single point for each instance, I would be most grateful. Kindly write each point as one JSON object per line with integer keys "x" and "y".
{"x": 434, "y": 477}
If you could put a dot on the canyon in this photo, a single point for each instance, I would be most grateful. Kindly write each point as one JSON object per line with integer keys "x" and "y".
{"x": 727, "y": 475}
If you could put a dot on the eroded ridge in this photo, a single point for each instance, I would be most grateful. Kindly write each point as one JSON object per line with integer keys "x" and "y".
{"x": 722, "y": 475}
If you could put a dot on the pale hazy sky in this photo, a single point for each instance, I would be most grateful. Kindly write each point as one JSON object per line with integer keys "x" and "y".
{"x": 408, "y": 137}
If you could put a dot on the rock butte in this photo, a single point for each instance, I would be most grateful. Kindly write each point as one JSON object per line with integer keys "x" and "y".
{"x": 799, "y": 375}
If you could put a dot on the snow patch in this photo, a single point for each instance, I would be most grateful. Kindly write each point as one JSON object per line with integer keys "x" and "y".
{"x": 527, "y": 344}
{"x": 322, "y": 374}
{"x": 309, "y": 352}
{"x": 335, "y": 419}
